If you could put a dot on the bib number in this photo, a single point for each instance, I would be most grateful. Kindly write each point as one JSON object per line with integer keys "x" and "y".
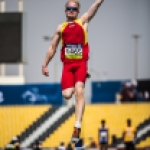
{"x": 103, "y": 134}
{"x": 73, "y": 51}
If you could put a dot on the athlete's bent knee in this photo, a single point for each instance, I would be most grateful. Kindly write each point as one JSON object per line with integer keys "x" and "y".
{"x": 67, "y": 94}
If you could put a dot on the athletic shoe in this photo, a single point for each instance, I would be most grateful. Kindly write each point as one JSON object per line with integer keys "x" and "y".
{"x": 76, "y": 135}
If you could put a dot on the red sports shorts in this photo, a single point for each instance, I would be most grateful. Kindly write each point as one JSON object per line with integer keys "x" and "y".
{"x": 73, "y": 72}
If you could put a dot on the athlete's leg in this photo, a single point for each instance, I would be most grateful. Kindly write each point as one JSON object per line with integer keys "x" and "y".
{"x": 105, "y": 146}
{"x": 80, "y": 101}
{"x": 80, "y": 77}
{"x": 79, "y": 110}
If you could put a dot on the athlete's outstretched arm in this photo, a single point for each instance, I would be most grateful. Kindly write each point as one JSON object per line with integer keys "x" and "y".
{"x": 91, "y": 12}
{"x": 51, "y": 51}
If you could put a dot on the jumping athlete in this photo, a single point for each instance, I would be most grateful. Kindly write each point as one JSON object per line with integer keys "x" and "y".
{"x": 74, "y": 55}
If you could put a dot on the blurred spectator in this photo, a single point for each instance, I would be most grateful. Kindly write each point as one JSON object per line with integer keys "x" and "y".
{"x": 92, "y": 144}
{"x": 37, "y": 145}
{"x": 129, "y": 136}
{"x": 124, "y": 92}
{"x": 62, "y": 146}
{"x": 103, "y": 134}
{"x": 132, "y": 91}
{"x": 69, "y": 147}
{"x": 14, "y": 144}
{"x": 113, "y": 139}
{"x": 129, "y": 91}
{"x": 55, "y": 148}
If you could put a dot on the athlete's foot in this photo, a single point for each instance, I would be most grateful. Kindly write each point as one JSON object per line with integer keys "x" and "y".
{"x": 88, "y": 75}
{"x": 76, "y": 135}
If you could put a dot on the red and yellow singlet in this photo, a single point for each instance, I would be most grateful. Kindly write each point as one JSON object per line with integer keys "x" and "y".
{"x": 74, "y": 42}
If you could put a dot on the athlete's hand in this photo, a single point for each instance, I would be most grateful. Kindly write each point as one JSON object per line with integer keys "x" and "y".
{"x": 45, "y": 71}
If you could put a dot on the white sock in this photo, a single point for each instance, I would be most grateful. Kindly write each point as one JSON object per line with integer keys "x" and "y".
{"x": 78, "y": 124}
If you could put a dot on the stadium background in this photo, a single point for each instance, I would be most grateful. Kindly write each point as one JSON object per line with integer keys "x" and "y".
{"x": 112, "y": 58}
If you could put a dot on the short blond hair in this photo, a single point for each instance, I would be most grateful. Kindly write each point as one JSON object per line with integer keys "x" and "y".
{"x": 75, "y": 1}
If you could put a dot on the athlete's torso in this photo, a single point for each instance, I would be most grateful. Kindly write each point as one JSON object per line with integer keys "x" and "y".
{"x": 103, "y": 132}
{"x": 129, "y": 134}
{"x": 74, "y": 42}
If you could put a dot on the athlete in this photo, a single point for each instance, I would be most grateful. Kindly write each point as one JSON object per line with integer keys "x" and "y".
{"x": 74, "y": 55}
{"x": 103, "y": 135}
{"x": 129, "y": 135}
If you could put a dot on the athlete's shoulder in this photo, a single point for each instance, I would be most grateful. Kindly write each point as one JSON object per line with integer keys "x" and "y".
{"x": 125, "y": 128}
{"x": 134, "y": 128}
{"x": 106, "y": 128}
{"x": 58, "y": 28}
{"x": 82, "y": 23}
{"x": 63, "y": 25}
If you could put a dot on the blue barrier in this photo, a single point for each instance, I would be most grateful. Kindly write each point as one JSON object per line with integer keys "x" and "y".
{"x": 105, "y": 91}
{"x": 31, "y": 94}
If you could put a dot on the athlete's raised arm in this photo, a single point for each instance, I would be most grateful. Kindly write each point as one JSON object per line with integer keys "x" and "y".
{"x": 91, "y": 12}
{"x": 51, "y": 51}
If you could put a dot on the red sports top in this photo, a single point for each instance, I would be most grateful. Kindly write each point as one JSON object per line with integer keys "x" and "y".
{"x": 74, "y": 42}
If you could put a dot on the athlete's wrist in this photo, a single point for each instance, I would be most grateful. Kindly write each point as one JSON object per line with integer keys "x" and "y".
{"x": 44, "y": 66}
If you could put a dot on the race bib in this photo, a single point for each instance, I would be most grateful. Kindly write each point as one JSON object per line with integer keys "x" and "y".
{"x": 104, "y": 134}
{"x": 73, "y": 51}
{"x": 128, "y": 133}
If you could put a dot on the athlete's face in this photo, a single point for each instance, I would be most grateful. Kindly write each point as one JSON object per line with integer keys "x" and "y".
{"x": 72, "y": 11}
